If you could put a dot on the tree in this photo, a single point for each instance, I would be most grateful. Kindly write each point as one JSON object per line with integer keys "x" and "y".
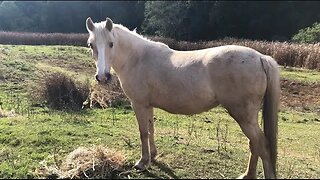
{"x": 164, "y": 18}
{"x": 62, "y": 16}
{"x": 128, "y": 13}
{"x": 181, "y": 20}
{"x": 11, "y": 18}
{"x": 207, "y": 20}
{"x": 308, "y": 35}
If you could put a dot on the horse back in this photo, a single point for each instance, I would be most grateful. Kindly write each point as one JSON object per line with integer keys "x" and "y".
{"x": 190, "y": 82}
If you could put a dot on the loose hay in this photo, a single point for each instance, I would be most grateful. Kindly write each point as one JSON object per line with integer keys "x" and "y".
{"x": 109, "y": 95}
{"x": 87, "y": 163}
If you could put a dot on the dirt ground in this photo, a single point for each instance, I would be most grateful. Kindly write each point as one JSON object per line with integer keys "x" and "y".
{"x": 300, "y": 96}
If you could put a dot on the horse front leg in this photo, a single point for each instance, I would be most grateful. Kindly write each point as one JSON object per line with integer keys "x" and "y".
{"x": 153, "y": 149}
{"x": 143, "y": 115}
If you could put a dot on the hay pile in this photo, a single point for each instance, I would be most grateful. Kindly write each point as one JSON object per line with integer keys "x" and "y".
{"x": 86, "y": 163}
{"x": 108, "y": 95}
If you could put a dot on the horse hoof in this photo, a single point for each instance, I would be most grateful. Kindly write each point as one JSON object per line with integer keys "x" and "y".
{"x": 242, "y": 176}
{"x": 246, "y": 176}
{"x": 141, "y": 166}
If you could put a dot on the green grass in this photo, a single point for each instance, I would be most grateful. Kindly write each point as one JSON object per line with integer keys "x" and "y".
{"x": 188, "y": 145}
{"x": 301, "y": 75}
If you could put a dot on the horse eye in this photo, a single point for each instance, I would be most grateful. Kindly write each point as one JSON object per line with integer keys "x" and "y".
{"x": 111, "y": 44}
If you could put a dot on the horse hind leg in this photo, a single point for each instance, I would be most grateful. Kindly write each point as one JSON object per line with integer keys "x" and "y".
{"x": 247, "y": 118}
{"x": 258, "y": 146}
{"x": 252, "y": 164}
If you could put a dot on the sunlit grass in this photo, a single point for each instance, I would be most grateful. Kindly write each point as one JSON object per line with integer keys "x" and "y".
{"x": 187, "y": 144}
{"x": 299, "y": 74}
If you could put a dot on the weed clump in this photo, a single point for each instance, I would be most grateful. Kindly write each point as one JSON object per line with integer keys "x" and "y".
{"x": 61, "y": 92}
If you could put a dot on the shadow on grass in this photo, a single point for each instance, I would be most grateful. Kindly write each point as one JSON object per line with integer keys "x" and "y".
{"x": 164, "y": 172}
{"x": 169, "y": 173}
{"x": 165, "y": 169}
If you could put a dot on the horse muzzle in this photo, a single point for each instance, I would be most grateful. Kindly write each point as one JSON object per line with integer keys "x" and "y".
{"x": 105, "y": 79}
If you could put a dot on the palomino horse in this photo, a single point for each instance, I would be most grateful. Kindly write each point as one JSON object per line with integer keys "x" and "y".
{"x": 190, "y": 82}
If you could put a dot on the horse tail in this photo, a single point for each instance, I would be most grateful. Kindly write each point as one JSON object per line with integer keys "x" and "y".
{"x": 270, "y": 106}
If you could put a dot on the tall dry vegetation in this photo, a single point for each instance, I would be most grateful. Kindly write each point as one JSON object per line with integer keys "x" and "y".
{"x": 17, "y": 38}
{"x": 286, "y": 53}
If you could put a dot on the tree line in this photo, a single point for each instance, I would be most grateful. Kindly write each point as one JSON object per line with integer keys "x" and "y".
{"x": 181, "y": 20}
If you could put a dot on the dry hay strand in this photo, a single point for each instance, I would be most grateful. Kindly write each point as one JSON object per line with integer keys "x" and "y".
{"x": 86, "y": 163}
{"x": 108, "y": 95}
{"x": 4, "y": 113}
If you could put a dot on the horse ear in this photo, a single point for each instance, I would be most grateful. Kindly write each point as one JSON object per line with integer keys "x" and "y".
{"x": 89, "y": 24}
{"x": 109, "y": 24}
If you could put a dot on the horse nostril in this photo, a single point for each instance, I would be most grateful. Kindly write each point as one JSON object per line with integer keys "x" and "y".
{"x": 97, "y": 78}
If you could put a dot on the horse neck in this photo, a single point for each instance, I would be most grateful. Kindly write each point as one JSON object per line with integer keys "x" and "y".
{"x": 131, "y": 48}
{"x": 128, "y": 49}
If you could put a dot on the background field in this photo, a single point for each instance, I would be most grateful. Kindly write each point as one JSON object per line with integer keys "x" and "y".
{"x": 208, "y": 145}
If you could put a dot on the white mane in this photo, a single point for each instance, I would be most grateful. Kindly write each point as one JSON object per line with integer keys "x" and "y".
{"x": 139, "y": 36}
{"x": 101, "y": 26}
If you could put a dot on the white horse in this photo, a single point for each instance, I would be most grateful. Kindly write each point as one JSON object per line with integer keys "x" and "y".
{"x": 190, "y": 82}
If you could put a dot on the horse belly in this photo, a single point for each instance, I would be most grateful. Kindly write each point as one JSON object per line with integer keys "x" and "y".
{"x": 185, "y": 103}
{"x": 187, "y": 110}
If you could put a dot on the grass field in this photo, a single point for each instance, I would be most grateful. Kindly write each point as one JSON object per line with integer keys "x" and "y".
{"x": 208, "y": 145}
